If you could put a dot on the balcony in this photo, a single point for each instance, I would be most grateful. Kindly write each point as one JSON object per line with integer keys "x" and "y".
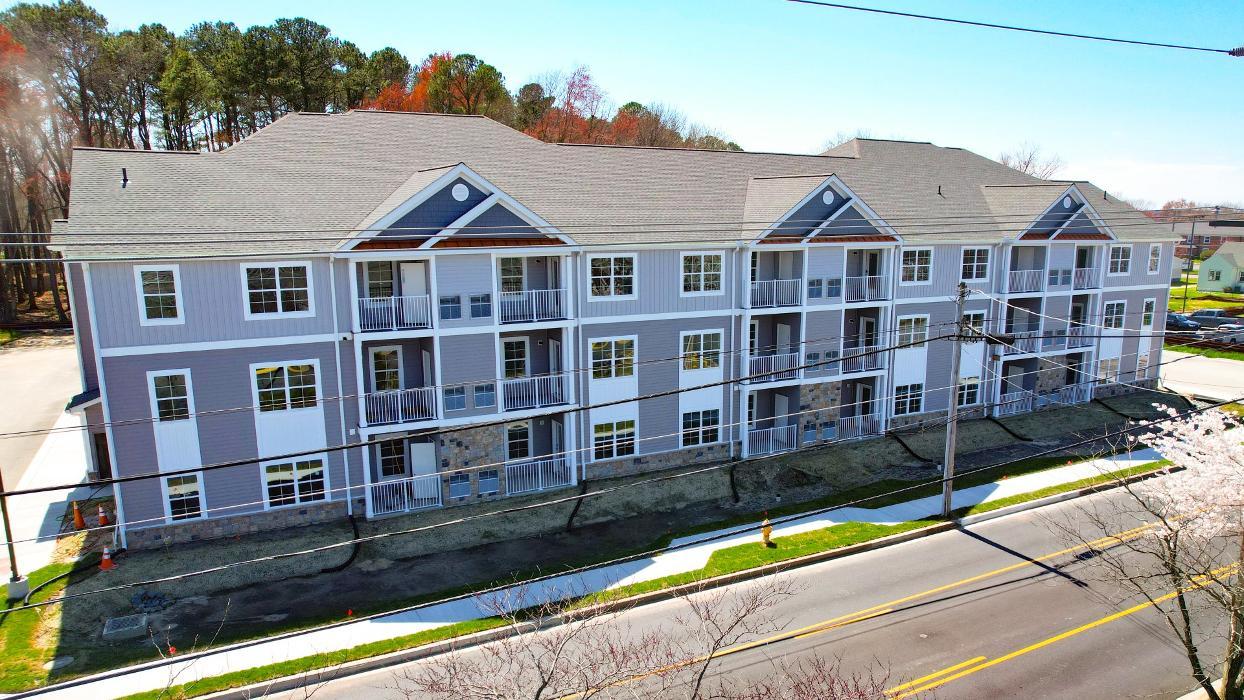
{"x": 862, "y": 359}
{"x": 1024, "y": 341}
{"x": 1014, "y": 402}
{"x": 523, "y": 393}
{"x": 1086, "y": 278}
{"x": 1079, "y": 337}
{"x": 400, "y": 406}
{"x": 537, "y": 475}
{"x": 1025, "y": 281}
{"x": 533, "y": 305}
{"x": 859, "y": 426}
{"x": 395, "y": 313}
{"x": 404, "y": 495}
{"x": 772, "y": 293}
{"x": 767, "y": 441}
{"x": 869, "y": 288}
{"x": 772, "y": 368}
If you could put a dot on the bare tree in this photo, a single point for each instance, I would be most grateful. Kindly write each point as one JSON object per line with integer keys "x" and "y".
{"x": 843, "y": 136}
{"x": 1029, "y": 159}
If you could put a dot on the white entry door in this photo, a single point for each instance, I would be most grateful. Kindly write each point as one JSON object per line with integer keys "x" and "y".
{"x": 555, "y": 356}
{"x": 781, "y": 409}
{"x": 414, "y": 280}
{"x": 426, "y": 356}
{"x": 783, "y": 339}
{"x": 422, "y": 458}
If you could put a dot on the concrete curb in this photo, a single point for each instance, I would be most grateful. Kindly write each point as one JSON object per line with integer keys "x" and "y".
{"x": 456, "y": 643}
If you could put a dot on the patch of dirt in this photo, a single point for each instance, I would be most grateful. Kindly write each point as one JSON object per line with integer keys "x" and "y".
{"x": 39, "y": 339}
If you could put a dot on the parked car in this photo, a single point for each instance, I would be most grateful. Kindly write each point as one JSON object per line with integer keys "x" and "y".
{"x": 1212, "y": 318}
{"x": 1228, "y": 333}
{"x": 1179, "y": 322}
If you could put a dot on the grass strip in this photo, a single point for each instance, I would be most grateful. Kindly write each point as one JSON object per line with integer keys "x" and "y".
{"x": 1206, "y": 352}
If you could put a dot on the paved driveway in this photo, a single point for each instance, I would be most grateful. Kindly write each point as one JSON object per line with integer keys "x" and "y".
{"x": 1210, "y": 377}
{"x": 37, "y": 381}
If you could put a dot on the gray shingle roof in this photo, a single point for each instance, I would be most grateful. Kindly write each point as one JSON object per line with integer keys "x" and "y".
{"x": 307, "y": 180}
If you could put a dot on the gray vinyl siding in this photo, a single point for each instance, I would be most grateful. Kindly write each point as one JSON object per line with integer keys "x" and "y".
{"x": 826, "y": 263}
{"x": 822, "y": 331}
{"x": 82, "y": 326}
{"x": 943, "y": 274}
{"x": 464, "y": 276}
{"x": 658, "y": 285}
{"x": 1059, "y": 307}
{"x": 1139, "y": 271}
{"x": 220, "y": 380}
{"x": 474, "y": 361}
{"x": 213, "y": 303}
{"x": 937, "y": 355}
{"x": 852, "y": 222}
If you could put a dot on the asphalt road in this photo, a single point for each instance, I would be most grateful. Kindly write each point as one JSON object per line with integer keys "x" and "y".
{"x": 35, "y": 384}
{"x": 1000, "y": 604}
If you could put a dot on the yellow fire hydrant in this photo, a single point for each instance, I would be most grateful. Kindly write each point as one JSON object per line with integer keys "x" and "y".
{"x": 766, "y": 531}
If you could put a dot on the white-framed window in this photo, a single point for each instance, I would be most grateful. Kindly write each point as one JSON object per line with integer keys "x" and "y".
{"x": 392, "y": 455}
{"x": 481, "y": 305}
{"x": 1155, "y": 258}
{"x": 701, "y": 350}
{"x": 1215, "y": 276}
{"x": 286, "y": 386}
{"x": 701, "y": 427}
{"x": 1108, "y": 370}
{"x": 701, "y": 274}
{"x": 969, "y": 393}
{"x": 974, "y": 323}
{"x": 908, "y": 399}
{"x": 489, "y": 481}
{"x": 1112, "y": 317}
{"x": 291, "y": 483}
{"x": 615, "y": 439}
{"x": 378, "y": 275}
{"x": 1142, "y": 367}
{"x": 183, "y": 498}
{"x": 514, "y": 358}
{"x": 613, "y": 357}
{"x": 170, "y": 395}
{"x": 518, "y": 440}
{"x": 511, "y": 273}
{"x": 1120, "y": 259}
{"x": 159, "y": 294}
{"x": 611, "y": 276}
{"x": 912, "y": 330}
{"x": 485, "y": 395}
{"x": 386, "y": 368}
{"x": 975, "y": 265}
{"x": 916, "y": 267}
{"x": 278, "y": 290}
{"x": 459, "y": 485}
{"x": 455, "y": 398}
{"x": 450, "y": 307}
{"x": 1146, "y": 314}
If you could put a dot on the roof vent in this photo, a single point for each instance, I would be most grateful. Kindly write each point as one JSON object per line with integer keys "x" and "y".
{"x": 939, "y": 191}
{"x": 125, "y": 179}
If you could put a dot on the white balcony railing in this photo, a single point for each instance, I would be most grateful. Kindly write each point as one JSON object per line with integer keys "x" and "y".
{"x": 403, "y": 495}
{"x": 859, "y": 426}
{"x": 536, "y": 475}
{"x": 1025, "y": 281}
{"x": 771, "y": 368}
{"x": 862, "y": 359}
{"x": 767, "y": 441}
{"x": 870, "y": 288}
{"x": 769, "y": 293}
{"x": 400, "y": 405}
{"x": 533, "y": 305}
{"x": 1024, "y": 341}
{"x": 1085, "y": 278}
{"x": 1079, "y": 337}
{"x": 1014, "y": 402}
{"x": 533, "y": 392}
{"x": 395, "y": 313}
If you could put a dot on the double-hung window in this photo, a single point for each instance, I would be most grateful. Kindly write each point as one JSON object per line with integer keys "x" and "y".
{"x": 616, "y": 439}
{"x": 701, "y": 273}
{"x": 908, "y": 399}
{"x": 379, "y": 275}
{"x": 1120, "y": 259}
{"x": 1142, "y": 367}
{"x": 185, "y": 500}
{"x": 613, "y": 358}
{"x": 917, "y": 265}
{"x": 612, "y": 276}
{"x": 158, "y": 295}
{"x": 1155, "y": 258}
{"x": 481, "y": 305}
{"x": 392, "y": 458}
{"x": 518, "y": 440}
{"x": 510, "y": 272}
{"x": 455, "y": 398}
{"x": 282, "y": 289}
{"x": 386, "y": 369}
{"x": 451, "y": 307}
{"x": 290, "y": 483}
{"x": 1108, "y": 370}
{"x": 816, "y": 288}
{"x": 1113, "y": 316}
{"x": 1147, "y": 311}
{"x": 284, "y": 387}
{"x": 913, "y": 331}
{"x": 172, "y": 396}
{"x": 969, "y": 391}
{"x": 485, "y": 395}
{"x": 1215, "y": 275}
{"x": 701, "y": 350}
{"x": 700, "y": 427}
{"x": 975, "y": 265}
{"x": 974, "y": 323}
{"x": 514, "y": 361}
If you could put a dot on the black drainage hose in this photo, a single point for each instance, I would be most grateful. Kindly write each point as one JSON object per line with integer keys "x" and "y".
{"x": 82, "y": 566}
{"x": 577, "y": 504}
{"x": 354, "y": 552}
{"x": 1114, "y": 410}
{"x": 909, "y": 448}
{"x": 1008, "y": 430}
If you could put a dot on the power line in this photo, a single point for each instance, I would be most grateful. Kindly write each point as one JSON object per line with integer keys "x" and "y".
{"x": 990, "y": 25}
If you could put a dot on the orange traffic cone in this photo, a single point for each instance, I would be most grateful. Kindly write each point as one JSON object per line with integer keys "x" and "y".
{"x": 103, "y": 517}
{"x": 79, "y": 523}
{"x": 105, "y": 563}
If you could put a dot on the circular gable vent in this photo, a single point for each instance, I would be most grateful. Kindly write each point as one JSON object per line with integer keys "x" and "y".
{"x": 460, "y": 192}
{"x": 1066, "y": 202}
{"x": 828, "y": 197}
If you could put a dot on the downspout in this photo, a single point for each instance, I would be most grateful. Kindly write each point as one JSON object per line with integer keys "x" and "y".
{"x": 341, "y": 402}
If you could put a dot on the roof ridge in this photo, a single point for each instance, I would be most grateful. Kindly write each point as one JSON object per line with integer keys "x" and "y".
{"x": 137, "y": 150}
{"x": 692, "y": 150}
{"x": 402, "y": 111}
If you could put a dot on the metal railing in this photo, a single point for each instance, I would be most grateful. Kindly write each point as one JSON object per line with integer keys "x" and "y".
{"x": 1025, "y": 281}
{"x": 767, "y": 441}
{"x": 869, "y": 288}
{"x": 537, "y": 475}
{"x": 1070, "y": 394}
{"x": 1079, "y": 337}
{"x": 400, "y": 405}
{"x": 1014, "y": 402}
{"x": 859, "y": 426}
{"x": 774, "y": 367}
{"x": 533, "y": 392}
{"x": 1085, "y": 278}
{"x": 862, "y": 359}
{"x": 395, "y": 313}
{"x": 769, "y": 293}
{"x": 1024, "y": 341}
{"x": 533, "y": 305}
{"x": 403, "y": 495}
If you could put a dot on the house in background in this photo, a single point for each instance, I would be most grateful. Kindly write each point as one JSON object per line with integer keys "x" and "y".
{"x": 1224, "y": 270}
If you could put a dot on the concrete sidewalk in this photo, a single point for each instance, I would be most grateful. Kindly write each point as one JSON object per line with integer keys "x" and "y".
{"x": 1211, "y": 377}
{"x": 242, "y": 656}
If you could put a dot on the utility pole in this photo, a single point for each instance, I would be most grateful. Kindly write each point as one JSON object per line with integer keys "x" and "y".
{"x": 952, "y": 424}
{"x": 17, "y": 585}
{"x": 1188, "y": 265}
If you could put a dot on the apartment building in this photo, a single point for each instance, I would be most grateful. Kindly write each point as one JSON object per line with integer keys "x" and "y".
{"x": 378, "y": 313}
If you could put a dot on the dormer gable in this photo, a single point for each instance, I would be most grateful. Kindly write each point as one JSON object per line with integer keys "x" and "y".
{"x": 1070, "y": 217}
{"x": 829, "y": 213}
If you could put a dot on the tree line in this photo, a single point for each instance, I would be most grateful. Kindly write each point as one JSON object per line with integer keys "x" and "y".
{"x": 67, "y": 80}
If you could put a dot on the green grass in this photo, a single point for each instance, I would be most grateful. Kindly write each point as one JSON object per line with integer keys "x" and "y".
{"x": 1206, "y": 352}
{"x": 7, "y": 336}
{"x": 1197, "y": 299}
{"x": 21, "y": 659}
{"x": 1059, "y": 488}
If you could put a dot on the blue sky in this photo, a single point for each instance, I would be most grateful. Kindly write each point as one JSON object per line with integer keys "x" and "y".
{"x": 1151, "y": 124}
